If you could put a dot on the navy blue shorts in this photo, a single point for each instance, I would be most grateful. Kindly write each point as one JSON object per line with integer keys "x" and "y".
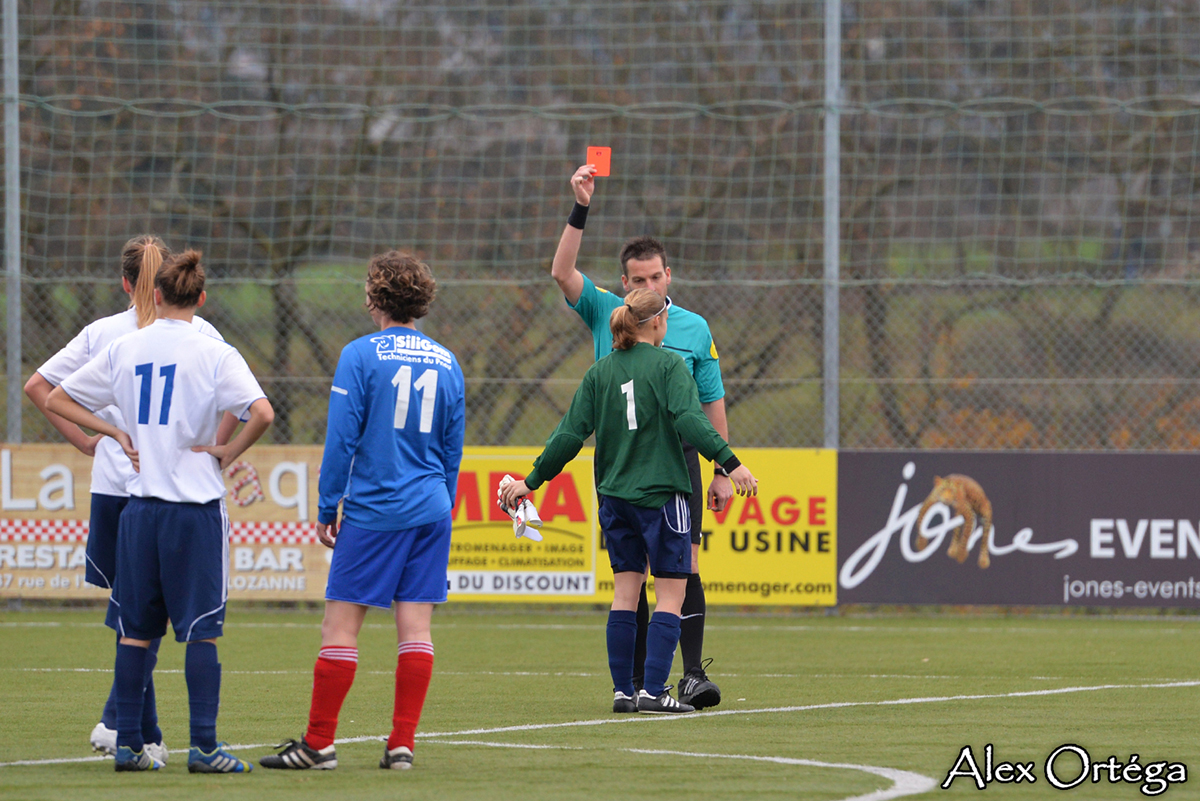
{"x": 634, "y": 533}
{"x": 172, "y": 564}
{"x": 101, "y": 568}
{"x": 377, "y": 568}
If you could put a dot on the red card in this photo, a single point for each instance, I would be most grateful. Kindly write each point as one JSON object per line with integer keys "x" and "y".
{"x": 602, "y": 158}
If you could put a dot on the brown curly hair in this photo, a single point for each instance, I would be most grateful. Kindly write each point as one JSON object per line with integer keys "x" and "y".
{"x": 400, "y": 285}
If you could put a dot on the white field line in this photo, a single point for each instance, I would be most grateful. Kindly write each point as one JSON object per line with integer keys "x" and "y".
{"x": 813, "y": 707}
{"x": 711, "y": 626}
{"x": 586, "y": 675}
{"x": 435, "y": 736}
{"x": 66, "y": 761}
{"x": 512, "y": 745}
{"x": 903, "y": 782}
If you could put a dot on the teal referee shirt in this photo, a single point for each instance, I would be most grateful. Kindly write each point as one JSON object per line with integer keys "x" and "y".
{"x": 687, "y": 335}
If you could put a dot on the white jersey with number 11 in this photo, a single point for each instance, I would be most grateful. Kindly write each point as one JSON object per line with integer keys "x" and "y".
{"x": 171, "y": 385}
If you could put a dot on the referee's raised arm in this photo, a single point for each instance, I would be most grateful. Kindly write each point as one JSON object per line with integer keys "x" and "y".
{"x": 563, "y": 269}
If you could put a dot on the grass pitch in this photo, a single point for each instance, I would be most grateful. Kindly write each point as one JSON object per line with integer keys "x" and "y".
{"x": 814, "y": 707}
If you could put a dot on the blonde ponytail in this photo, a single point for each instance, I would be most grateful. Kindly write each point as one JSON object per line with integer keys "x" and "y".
{"x": 143, "y": 292}
{"x": 140, "y": 259}
{"x": 624, "y": 328}
{"x": 640, "y": 307}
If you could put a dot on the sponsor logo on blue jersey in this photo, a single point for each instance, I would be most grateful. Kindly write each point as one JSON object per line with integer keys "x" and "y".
{"x": 410, "y": 348}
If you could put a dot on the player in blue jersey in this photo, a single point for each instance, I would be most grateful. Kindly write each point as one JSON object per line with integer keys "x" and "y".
{"x": 170, "y": 384}
{"x": 111, "y": 469}
{"x": 644, "y": 266}
{"x": 392, "y": 452}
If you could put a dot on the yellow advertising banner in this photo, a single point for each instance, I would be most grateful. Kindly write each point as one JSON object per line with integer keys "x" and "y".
{"x": 778, "y": 548}
{"x": 488, "y": 562}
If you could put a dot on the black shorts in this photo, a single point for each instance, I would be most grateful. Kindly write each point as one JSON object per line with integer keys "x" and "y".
{"x": 696, "y": 499}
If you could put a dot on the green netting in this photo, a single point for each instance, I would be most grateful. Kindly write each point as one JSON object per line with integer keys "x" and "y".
{"x": 1018, "y": 197}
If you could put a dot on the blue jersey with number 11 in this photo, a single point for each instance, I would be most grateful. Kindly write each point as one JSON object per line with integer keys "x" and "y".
{"x": 396, "y": 421}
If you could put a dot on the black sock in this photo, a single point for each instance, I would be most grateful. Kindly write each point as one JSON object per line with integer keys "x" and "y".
{"x": 691, "y": 629}
{"x": 639, "y": 646}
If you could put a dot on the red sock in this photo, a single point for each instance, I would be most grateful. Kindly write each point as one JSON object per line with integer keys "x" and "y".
{"x": 414, "y": 667}
{"x": 332, "y": 678}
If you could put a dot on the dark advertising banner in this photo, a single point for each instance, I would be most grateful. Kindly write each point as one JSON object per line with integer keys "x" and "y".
{"x": 1063, "y": 528}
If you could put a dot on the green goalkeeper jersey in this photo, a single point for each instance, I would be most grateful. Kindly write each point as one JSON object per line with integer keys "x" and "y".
{"x": 638, "y": 402}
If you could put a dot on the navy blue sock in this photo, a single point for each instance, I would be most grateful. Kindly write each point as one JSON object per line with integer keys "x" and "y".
{"x": 639, "y": 650}
{"x": 150, "y": 731}
{"x": 661, "y": 639}
{"x": 109, "y": 716}
{"x": 203, "y": 674}
{"x": 129, "y": 675}
{"x": 622, "y": 632}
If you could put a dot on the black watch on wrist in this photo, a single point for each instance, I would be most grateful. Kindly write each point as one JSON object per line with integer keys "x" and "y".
{"x": 720, "y": 471}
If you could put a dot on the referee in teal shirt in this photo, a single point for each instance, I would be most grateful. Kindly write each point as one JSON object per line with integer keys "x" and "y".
{"x": 644, "y": 266}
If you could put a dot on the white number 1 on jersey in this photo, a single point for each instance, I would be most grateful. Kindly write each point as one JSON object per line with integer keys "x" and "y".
{"x": 630, "y": 411}
{"x": 404, "y": 384}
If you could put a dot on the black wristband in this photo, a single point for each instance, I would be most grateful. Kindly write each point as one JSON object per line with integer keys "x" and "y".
{"x": 732, "y": 464}
{"x": 578, "y": 216}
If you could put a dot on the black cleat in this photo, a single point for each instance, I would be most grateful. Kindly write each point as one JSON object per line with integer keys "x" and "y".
{"x": 664, "y": 704}
{"x": 399, "y": 758}
{"x": 696, "y": 689}
{"x": 298, "y": 755}
{"x": 622, "y": 703}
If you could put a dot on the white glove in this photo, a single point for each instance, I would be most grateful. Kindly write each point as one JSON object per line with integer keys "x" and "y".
{"x": 525, "y": 517}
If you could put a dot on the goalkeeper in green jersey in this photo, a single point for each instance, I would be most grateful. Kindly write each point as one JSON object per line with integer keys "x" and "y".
{"x": 639, "y": 401}
{"x": 644, "y": 266}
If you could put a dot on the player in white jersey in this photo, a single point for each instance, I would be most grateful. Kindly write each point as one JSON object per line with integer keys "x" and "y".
{"x": 170, "y": 384}
{"x": 111, "y": 469}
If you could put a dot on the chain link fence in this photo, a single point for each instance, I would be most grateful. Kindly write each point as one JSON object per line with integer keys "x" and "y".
{"x": 1018, "y": 197}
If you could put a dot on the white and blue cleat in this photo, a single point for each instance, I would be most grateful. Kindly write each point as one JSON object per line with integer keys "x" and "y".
{"x": 130, "y": 760}
{"x": 219, "y": 761}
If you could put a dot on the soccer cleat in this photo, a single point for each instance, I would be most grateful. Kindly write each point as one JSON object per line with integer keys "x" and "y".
{"x": 396, "y": 759}
{"x": 218, "y": 761}
{"x": 128, "y": 759}
{"x": 696, "y": 689}
{"x": 157, "y": 751}
{"x": 104, "y": 739}
{"x": 664, "y": 704}
{"x": 299, "y": 755}
{"x": 623, "y": 703}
